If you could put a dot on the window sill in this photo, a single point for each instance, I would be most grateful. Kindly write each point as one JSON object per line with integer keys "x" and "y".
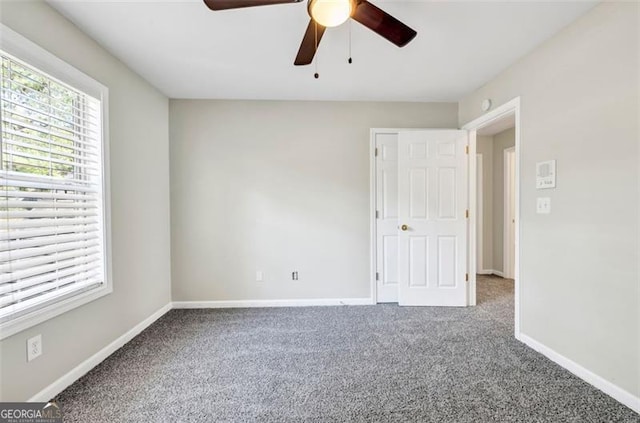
{"x": 43, "y": 314}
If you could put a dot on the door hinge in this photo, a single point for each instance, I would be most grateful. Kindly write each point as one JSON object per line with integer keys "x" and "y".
{"x": 377, "y": 276}
{"x": 375, "y": 153}
{"x": 377, "y": 214}
{"x": 466, "y": 277}
{"x": 466, "y": 213}
{"x": 466, "y": 149}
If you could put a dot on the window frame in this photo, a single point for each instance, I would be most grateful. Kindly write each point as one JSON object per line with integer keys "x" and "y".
{"x": 44, "y": 61}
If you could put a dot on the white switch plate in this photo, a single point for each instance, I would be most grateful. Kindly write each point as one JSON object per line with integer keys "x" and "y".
{"x": 259, "y": 276}
{"x": 34, "y": 347}
{"x": 543, "y": 205}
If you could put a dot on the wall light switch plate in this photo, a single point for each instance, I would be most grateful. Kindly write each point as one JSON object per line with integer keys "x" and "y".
{"x": 259, "y": 276}
{"x": 543, "y": 205}
{"x": 34, "y": 347}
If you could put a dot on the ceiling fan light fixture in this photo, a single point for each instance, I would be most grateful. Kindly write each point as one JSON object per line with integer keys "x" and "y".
{"x": 330, "y": 13}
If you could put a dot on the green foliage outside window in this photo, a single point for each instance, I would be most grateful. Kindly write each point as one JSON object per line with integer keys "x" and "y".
{"x": 40, "y": 124}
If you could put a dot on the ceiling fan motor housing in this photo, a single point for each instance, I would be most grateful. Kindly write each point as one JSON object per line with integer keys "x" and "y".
{"x": 330, "y": 13}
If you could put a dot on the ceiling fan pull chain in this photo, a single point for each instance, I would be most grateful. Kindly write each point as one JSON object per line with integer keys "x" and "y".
{"x": 350, "y": 60}
{"x": 315, "y": 55}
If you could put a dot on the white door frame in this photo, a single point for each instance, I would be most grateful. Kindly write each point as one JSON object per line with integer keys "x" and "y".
{"x": 509, "y": 178}
{"x": 372, "y": 201}
{"x": 510, "y": 108}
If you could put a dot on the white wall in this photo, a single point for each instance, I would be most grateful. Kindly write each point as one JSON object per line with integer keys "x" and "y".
{"x": 277, "y": 186}
{"x": 139, "y": 204}
{"x": 484, "y": 146}
{"x": 580, "y": 285}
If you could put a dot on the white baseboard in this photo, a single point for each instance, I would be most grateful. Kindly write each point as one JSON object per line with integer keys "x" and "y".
{"x": 588, "y": 376}
{"x": 273, "y": 303}
{"x": 490, "y": 272}
{"x": 81, "y": 369}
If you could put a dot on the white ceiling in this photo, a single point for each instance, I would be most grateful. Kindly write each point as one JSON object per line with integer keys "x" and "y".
{"x": 188, "y": 51}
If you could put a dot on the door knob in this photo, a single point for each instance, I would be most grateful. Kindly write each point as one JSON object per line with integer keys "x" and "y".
{"x": 404, "y": 227}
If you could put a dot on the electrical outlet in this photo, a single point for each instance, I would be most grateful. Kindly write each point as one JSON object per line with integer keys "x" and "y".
{"x": 34, "y": 347}
{"x": 294, "y": 275}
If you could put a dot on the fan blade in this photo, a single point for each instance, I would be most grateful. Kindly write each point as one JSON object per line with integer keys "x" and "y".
{"x": 309, "y": 44}
{"x": 237, "y": 4}
{"x": 383, "y": 24}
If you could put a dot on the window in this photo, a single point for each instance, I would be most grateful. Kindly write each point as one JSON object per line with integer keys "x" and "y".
{"x": 53, "y": 214}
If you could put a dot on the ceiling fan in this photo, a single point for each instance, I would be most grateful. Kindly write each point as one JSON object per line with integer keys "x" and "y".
{"x": 330, "y": 13}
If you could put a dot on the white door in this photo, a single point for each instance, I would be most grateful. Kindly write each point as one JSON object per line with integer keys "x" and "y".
{"x": 432, "y": 205}
{"x": 386, "y": 145}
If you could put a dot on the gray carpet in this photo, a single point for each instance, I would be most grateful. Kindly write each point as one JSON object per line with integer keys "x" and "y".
{"x": 379, "y": 363}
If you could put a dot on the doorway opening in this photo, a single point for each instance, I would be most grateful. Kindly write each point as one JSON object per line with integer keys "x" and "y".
{"x": 494, "y": 146}
{"x": 495, "y": 216}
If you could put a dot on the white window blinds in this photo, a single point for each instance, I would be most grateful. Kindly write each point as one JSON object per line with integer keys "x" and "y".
{"x": 51, "y": 204}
